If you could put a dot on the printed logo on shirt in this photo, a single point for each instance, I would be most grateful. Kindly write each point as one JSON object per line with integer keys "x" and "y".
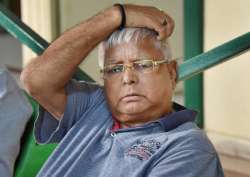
{"x": 143, "y": 149}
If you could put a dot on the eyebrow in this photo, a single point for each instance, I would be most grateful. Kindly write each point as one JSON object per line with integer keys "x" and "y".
{"x": 113, "y": 61}
{"x": 110, "y": 62}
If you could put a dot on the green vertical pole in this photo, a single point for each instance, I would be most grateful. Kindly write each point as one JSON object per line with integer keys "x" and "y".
{"x": 193, "y": 45}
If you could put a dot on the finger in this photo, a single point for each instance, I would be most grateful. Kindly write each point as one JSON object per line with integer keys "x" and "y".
{"x": 161, "y": 27}
{"x": 162, "y": 33}
{"x": 167, "y": 25}
{"x": 170, "y": 24}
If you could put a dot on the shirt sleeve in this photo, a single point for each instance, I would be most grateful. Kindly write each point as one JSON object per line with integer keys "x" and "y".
{"x": 188, "y": 163}
{"x": 80, "y": 97}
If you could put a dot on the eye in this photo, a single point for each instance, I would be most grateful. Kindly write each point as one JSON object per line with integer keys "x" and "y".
{"x": 114, "y": 69}
{"x": 143, "y": 64}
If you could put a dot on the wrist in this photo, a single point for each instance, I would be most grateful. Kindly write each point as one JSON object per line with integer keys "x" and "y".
{"x": 115, "y": 13}
{"x": 122, "y": 15}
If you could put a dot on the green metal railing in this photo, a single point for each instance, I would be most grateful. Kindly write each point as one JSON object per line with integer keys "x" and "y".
{"x": 27, "y": 36}
{"x": 33, "y": 155}
{"x": 213, "y": 57}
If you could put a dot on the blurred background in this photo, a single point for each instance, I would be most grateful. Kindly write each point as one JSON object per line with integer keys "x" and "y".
{"x": 221, "y": 94}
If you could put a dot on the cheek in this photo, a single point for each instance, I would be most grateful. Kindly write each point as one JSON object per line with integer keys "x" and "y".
{"x": 158, "y": 88}
{"x": 112, "y": 92}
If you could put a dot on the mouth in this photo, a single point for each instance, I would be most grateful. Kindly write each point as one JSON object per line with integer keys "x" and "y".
{"x": 132, "y": 97}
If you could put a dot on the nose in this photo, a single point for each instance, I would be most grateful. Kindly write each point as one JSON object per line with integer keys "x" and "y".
{"x": 129, "y": 76}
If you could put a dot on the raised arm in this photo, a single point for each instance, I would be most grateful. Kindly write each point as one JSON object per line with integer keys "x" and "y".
{"x": 46, "y": 76}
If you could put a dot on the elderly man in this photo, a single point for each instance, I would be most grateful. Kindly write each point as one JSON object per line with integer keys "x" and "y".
{"x": 129, "y": 127}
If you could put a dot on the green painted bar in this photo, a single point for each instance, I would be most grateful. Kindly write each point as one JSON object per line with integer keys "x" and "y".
{"x": 193, "y": 45}
{"x": 27, "y": 36}
{"x": 214, "y": 57}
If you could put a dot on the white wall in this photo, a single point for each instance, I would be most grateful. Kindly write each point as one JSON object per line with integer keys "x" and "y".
{"x": 40, "y": 16}
{"x": 227, "y": 86}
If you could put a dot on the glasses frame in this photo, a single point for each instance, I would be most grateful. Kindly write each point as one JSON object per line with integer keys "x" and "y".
{"x": 155, "y": 63}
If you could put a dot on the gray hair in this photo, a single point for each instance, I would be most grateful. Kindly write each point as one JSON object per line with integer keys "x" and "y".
{"x": 131, "y": 35}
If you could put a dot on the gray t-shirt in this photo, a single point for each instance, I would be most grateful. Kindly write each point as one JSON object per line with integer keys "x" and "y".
{"x": 172, "y": 146}
{"x": 15, "y": 111}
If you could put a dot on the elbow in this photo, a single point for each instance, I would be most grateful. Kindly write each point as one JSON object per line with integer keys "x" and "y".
{"x": 29, "y": 83}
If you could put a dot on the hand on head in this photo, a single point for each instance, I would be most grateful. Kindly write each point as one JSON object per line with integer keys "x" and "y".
{"x": 149, "y": 17}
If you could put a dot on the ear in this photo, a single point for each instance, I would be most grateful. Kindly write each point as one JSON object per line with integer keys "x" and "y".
{"x": 173, "y": 72}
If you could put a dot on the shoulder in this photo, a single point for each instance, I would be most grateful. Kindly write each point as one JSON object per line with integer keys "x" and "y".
{"x": 186, "y": 152}
{"x": 190, "y": 137}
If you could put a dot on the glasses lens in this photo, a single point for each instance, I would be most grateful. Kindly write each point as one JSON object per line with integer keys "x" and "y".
{"x": 144, "y": 66}
{"x": 113, "y": 69}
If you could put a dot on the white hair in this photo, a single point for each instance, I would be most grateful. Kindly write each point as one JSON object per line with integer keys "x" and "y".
{"x": 127, "y": 35}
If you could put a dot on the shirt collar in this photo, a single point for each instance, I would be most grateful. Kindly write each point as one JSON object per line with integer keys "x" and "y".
{"x": 180, "y": 116}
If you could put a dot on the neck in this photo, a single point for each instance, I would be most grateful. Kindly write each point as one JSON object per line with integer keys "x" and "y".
{"x": 127, "y": 121}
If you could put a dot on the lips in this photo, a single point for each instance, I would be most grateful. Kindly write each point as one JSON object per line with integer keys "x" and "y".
{"x": 131, "y": 97}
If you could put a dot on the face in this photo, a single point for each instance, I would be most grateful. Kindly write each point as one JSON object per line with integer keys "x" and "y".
{"x": 133, "y": 97}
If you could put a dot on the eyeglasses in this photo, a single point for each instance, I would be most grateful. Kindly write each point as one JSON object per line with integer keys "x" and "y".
{"x": 140, "y": 66}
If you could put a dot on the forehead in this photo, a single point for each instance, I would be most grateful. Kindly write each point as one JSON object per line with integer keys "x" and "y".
{"x": 144, "y": 49}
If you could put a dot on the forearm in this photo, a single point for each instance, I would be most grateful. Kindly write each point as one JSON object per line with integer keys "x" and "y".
{"x": 57, "y": 64}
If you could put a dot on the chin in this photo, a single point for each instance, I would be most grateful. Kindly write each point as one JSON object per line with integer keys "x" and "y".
{"x": 132, "y": 109}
